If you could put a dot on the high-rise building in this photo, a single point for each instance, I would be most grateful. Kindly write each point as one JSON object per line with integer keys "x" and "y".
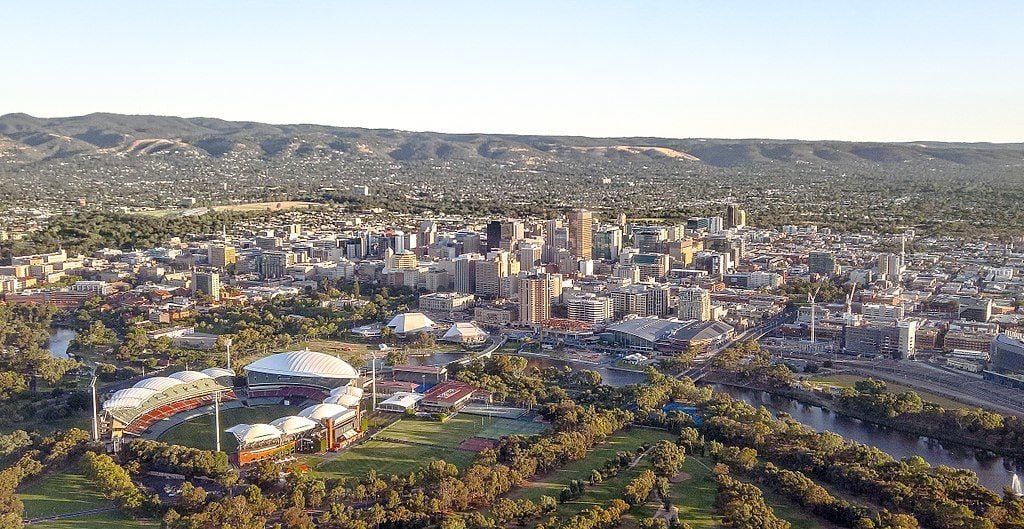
{"x": 404, "y": 260}
{"x": 221, "y": 255}
{"x": 493, "y": 232}
{"x": 890, "y": 265}
{"x": 822, "y": 263}
{"x": 694, "y": 304}
{"x": 511, "y": 231}
{"x": 465, "y": 273}
{"x": 206, "y": 283}
{"x": 274, "y": 264}
{"x": 534, "y": 299}
{"x": 581, "y": 233}
{"x": 907, "y": 333}
{"x": 489, "y": 273}
{"x": 530, "y": 254}
{"x": 428, "y": 233}
{"x": 608, "y": 243}
{"x": 591, "y": 308}
{"x": 735, "y": 217}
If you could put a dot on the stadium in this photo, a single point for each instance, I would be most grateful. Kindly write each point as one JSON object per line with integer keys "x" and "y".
{"x": 329, "y": 387}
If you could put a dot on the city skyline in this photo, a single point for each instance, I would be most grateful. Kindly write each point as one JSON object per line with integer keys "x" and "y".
{"x": 907, "y": 72}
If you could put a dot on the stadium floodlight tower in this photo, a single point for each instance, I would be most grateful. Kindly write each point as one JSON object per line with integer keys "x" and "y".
{"x": 95, "y": 411}
{"x": 216, "y": 420}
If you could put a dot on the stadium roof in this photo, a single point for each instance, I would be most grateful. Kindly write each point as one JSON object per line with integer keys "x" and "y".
{"x": 343, "y": 399}
{"x": 217, "y": 372}
{"x": 188, "y": 376}
{"x": 700, "y": 331}
{"x": 303, "y": 363}
{"x": 158, "y": 384}
{"x": 128, "y": 398}
{"x": 248, "y": 434}
{"x": 294, "y": 424}
{"x": 318, "y": 412}
{"x": 410, "y": 322}
{"x": 347, "y": 390}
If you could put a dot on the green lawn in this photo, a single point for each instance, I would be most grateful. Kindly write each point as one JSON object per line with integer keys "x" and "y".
{"x": 198, "y": 432}
{"x": 847, "y": 381}
{"x": 386, "y": 458}
{"x": 447, "y": 434}
{"x": 60, "y": 494}
{"x": 552, "y": 483}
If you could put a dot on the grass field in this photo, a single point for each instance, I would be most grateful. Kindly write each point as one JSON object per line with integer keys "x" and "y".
{"x": 60, "y": 494}
{"x": 386, "y": 458}
{"x": 198, "y": 432}
{"x": 847, "y": 381}
{"x": 111, "y": 520}
{"x": 694, "y": 497}
{"x": 408, "y": 444}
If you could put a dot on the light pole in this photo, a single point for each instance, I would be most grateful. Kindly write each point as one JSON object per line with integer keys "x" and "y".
{"x": 95, "y": 412}
{"x": 216, "y": 418}
{"x": 373, "y": 368}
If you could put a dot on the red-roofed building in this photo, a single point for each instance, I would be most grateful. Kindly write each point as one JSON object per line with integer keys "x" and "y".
{"x": 448, "y": 397}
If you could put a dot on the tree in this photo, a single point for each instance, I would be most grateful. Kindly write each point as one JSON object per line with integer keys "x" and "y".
{"x": 666, "y": 458}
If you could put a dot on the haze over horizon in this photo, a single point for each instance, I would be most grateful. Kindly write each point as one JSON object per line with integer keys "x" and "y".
{"x": 906, "y": 72}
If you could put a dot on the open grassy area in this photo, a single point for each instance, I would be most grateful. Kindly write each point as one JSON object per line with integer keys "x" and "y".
{"x": 198, "y": 432}
{"x": 386, "y": 458}
{"x": 552, "y": 483}
{"x": 60, "y": 494}
{"x": 847, "y": 381}
{"x": 695, "y": 497}
{"x": 110, "y": 520}
{"x": 447, "y": 434}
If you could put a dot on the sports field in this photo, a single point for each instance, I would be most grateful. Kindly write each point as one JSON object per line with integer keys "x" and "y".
{"x": 408, "y": 444}
{"x": 198, "y": 432}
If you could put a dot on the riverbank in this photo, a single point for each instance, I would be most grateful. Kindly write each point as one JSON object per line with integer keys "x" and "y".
{"x": 982, "y": 450}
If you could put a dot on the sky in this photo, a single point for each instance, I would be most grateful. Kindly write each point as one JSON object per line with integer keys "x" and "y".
{"x": 866, "y": 70}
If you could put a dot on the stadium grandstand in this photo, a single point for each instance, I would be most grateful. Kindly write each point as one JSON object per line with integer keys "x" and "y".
{"x": 133, "y": 410}
{"x": 324, "y": 426}
{"x": 305, "y": 374}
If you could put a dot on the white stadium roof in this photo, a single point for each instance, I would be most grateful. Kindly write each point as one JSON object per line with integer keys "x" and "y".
{"x": 410, "y": 322}
{"x": 254, "y": 433}
{"x": 347, "y": 390}
{"x": 303, "y": 363}
{"x": 344, "y": 399}
{"x": 128, "y": 398}
{"x": 158, "y": 384}
{"x": 318, "y": 412}
{"x": 188, "y": 376}
{"x": 217, "y": 372}
{"x": 294, "y": 424}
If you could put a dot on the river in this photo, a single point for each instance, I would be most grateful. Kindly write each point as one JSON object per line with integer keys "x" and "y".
{"x": 60, "y": 339}
{"x": 994, "y": 473}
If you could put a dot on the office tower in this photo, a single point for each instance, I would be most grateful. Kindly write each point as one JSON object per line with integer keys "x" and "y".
{"x": 591, "y": 308}
{"x": 221, "y": 255}
{"x": 465, "y": 273}
{"x": 493, "y": 232}
{"x": 621, "y": 221}
{"x": 511, "y": 231}
{"x": 581, "y": 233}
{"x": 890, "y": 265}
{"x": 428, "y": 233}
{"x": 489, "y": 273}
{"x": 274, "y": 264}
{"x": 607, "y": 243}
{"x": 470, "y": 241}
{"x": 735, "y": 217}
{"x": 907, "y": 333}
{"x": 715, "y": 225}
{"x": 404, "y": 260}
{"x": 206, "y": 283}
{"x": 630, "y": 272}
{"x": 822, "y": 263}
{"x": 649, "y": 239}
{"x": 534, "y": 299}
{"x": 652, "y": 265}
{"x": 530, "y": 254}
{"x": 694, "y": 304}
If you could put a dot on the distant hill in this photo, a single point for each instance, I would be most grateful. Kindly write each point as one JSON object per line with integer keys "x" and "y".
{"x": 27, "y": 139}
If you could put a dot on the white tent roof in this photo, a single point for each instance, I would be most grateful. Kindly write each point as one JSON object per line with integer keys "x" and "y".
{"x": 410, "y": 322}
{"x": 348, "y": 401}
{"x": 188, "y": 376}
{"x": 318, "y": 412}
{"x": 217, "y": 372}
{"x": 303, "y": 363}
{"x": 128, "y": 398}
{"x": 293, "y": 424}
{"x": 463, "y": 329}
{"x": 254, "y": 433}
{"x": 347, "y": 390}
{"x": 158, "y": 384}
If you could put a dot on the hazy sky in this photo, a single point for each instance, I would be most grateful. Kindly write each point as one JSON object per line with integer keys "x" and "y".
{"x": 881, "y": 70}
